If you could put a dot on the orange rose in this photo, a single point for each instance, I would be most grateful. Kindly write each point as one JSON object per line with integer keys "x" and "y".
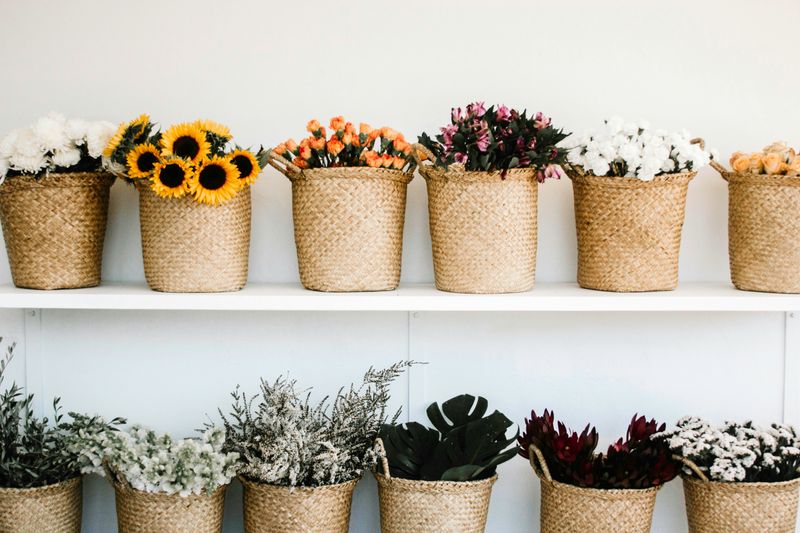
{"x": 317, "y": 143}
{"x": 401, "y": 146}
{"x": 741, "y": 163}
{"x": 280, "y": 149}
{"x": 337, "y": 123}
{"x": 349, "y": 128}
{"x": 756, "y": 164}
{"x": 313, "y": 126}
{"x": 335, "y": 146}
{"x": 398, "y": 163}
{"x": 347, "y": 138}
{"x": 373, "y": 160}
{"x": 774, "y": 163}
{"x": 389, "y": 133}
{"x": 364, "y": 128}
{"x": 291, "y": 145}
{"x": 300, "y": 162}
{"x": 304, "y": 142}
{"x": 386, "y": 161}
{"x": 305, "y": 152}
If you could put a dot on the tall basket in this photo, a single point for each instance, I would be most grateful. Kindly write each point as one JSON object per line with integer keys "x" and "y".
{"x": 483, "y": 227}
{"x": 54, "y": 227}
{"x": 763, "y": 231}
{"x": 570, "y": 509}
{"x": 348, "y": 225}
{"x": 53, "y": 509}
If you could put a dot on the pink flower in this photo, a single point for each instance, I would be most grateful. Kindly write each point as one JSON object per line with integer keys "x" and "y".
{"x": 541, "y": 121}
{"x": 477, "y": 109}
{"x": 448, "y": 132}
{"x": 461, "y": 157}
{"x": 456, "y": 114}
{"x": 549, "y": 172}
{"x": 503, "y": 113}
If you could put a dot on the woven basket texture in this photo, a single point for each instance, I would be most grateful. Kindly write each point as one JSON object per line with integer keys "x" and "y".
{"x": 410, "y": 506}
{"x": 54, "y": 228}
{"x": 192, "y": 247}
{"x": 764, "y": 232}
{"x": 348, "y": 227}
{"x": 142, "y": 512}
{"x": 483, "y": 229}
{"x": 714, "y": 507}
{"x": 629, "y": 231}
{"x": 51, "y": 509}
{"x": 275, "y": 509}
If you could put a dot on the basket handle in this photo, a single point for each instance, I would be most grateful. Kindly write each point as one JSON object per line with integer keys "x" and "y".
{"x": 381, "y": 450}
{"x": 693, "y": 467}
{"x": 719, "y": 168}
{"x": 282, "y": 165}
{"x": 420, "y": 148}
{"x": 700, "y": 141}
{"x": 534, "y": 456}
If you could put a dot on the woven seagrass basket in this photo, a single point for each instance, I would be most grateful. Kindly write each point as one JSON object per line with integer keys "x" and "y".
{"x": 143, "y": 512}
{"x": 714, "y": 507}
{"x": 411, "y": 506}
{"x": 192, "y": 247}
{"x": 276, "y": 509}
{"x": 763, "y": 231}
{"x": 54, "y": 227}
{"x": 483, "y": 228}
{"x": 570, "y": 509}
{"x": 629, "y": 230}
{"x": 348, "y": 225}
{"x": 53, "y": 509}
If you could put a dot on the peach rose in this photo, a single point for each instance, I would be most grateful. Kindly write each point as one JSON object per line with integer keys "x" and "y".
{"x": 335, "y": 146}
{"x": 347, "y": 138}
{"x": 337, "y": 123}
{"x": 349, "y": 128}
{"x": 774, "y": 163}
{"x": 398, "y": 163}
{"x": 280, "y": 149}
{"x": 300, "y": 162}
{"x": 389, "y": 133}
{"x": 317, "y": 143}
{"x": 313, "y": 126}
{"x": 364, "y": 128}
{"x": 373, "y": 160}
{"x": 741, "y": 163}
{"x": 794, "y": 167}
{"x": 305, "y": 152}
{"x": 401, "y": 146}
{"x": 387, "y": 160}
{"x": 756, "y": 164}
{"x": 291, "y": 145}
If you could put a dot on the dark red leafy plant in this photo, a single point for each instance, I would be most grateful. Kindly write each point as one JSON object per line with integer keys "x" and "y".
{"x": 635, "y": 462}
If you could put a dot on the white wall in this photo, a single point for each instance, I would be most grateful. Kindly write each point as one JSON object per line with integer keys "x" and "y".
{"x": 722, "y": 69}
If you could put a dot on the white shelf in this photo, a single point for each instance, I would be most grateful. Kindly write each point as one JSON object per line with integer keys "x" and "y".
{"x": 415, "y": 297}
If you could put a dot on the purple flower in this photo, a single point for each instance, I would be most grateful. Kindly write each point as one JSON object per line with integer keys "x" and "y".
{"x": 461, "y": 157}
{"x": 477, "y": 109}
{"x": 503, "y": 113}
{"x": 541, "y": 121}
{"x": 448, "y": 132}
{"x": 456, "y": 114}
{"x": 549, "y": 172}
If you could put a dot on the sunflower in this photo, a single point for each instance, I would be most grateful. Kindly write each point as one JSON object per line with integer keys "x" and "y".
{"x": 171, "y": 178}
{"x": 247, "y": 164}
{"x": 216, "y": 181}
{"x": 141, "y": 122}
{"x": 142, "y": 160}
{"x": 185, "y": 140}
{"x": 215, "y": 128}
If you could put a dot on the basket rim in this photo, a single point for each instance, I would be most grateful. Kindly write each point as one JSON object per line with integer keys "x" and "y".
{"x": 126, "y": 488}
{"x": 740, "y": 485}
{"x": 662, "y": 180}
{"x": 64, "y": 180}
{"x": 302, "y": 489}
{"x": 603, "y": 493}
{"x": 352, "y": 173}
{"x": 381, "y": 478}
{"x": 43, "y": 488}
{"x": 457, "y": 173}
{"x": 768, "y": 180}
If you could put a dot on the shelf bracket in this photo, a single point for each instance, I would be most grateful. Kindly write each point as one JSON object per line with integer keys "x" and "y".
{"x": 791, "y": 369}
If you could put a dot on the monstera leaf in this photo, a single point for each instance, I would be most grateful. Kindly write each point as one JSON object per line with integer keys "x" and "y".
{"x": 467, "y": 445}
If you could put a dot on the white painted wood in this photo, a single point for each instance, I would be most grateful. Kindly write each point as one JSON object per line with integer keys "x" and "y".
{"x": 414, "y": 297}
{"x": 34, "y": 361}
{"x": 791, "y": 370}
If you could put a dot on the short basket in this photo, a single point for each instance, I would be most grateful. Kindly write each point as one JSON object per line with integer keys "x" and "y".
{"x": 54, "y": 508}
{"x": 54, "y": 227}
{"x": 629, "y": 231}
{"x": 188, "y": 246}
{"x": 483, "y": 228}
{"x": 278, "y": 509}
{"x": 763, "y": 231}
{"x": 348, "y": 225}
{"x": 143, "y": 512}
{"x": 409, "y": 506}
{"x": 714, "y": 507}
{"x": 569, "y": 509}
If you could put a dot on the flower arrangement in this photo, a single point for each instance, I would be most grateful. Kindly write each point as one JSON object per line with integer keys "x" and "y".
{"x": 498, "y": 138}
{"x": 194, "y": 158}
{"x": 35, "y": 452}
{"x": 286, "y": 440}
{"x": 633, "y": 150}
{"x": 54, "y": 144}
{"x": 348, "y": 147}
{"x": 736, "y": 452}
{"x": 157, "y": 463}
{"x": 776, "y": 159}
{"x": 466, "y": 444}
{"x": 637, "y": 462}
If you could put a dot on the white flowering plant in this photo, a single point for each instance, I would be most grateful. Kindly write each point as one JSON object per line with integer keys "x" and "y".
{"x": 288, "y": 441}
{"x": 634, "y": 150}
{"x": 157, "y": 463}
{"x": 736, "y": 452}
{"x": 54, "y": 144}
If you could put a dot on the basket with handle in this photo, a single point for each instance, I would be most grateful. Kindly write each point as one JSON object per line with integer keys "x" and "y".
{"x": 348, "y": 225}
{"x": 717, "y": 507}
{"x": 629, "y": 230}
{"x": 54, "y": 228}
{"x": 413, "y": 506}
{"x": 763, "y": 231}
{"x": 483, "y": 227}
{"x": 568, "y": 509}
{"x": 53, "y": 508}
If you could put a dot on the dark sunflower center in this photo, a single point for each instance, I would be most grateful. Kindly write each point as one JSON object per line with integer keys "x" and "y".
{"x": 172, "y": 175}
{"x": 186, "y": 146}
{"x": 244, "y": 165}
{"x": 212, "y": 177}
{"x": 146, "y": 161}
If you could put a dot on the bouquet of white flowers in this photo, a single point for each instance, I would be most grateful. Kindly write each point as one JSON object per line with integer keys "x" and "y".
{"x": 737, "y": 452}
{"x": 633, "y": 150}
{"x": 156, "y": 463}
{"x": 54, "y": 144}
